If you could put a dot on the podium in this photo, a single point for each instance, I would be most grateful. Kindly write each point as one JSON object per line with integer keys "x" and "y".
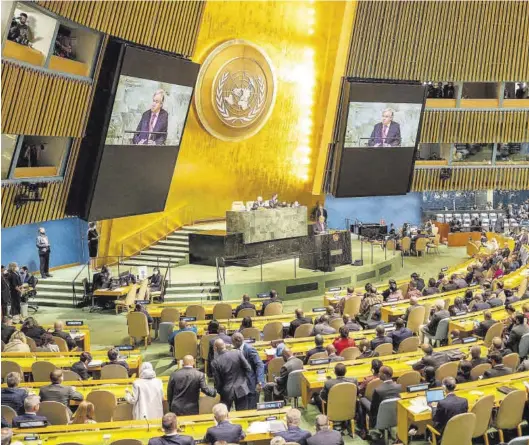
{"x": 326, "y": 251}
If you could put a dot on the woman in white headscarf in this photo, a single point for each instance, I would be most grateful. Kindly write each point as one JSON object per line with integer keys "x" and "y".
{"x": 147, "y": 394}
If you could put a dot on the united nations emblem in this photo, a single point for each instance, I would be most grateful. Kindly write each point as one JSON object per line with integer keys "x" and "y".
{"x": 235, "y": 91}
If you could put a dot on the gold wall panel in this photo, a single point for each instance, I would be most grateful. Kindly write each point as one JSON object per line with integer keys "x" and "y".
{"x": 441, "y": 40}
{"x": 169, "y": 25}
{"x": 210, "y": 173}
{"x": 480, "y": 178}
{"x": 41, "y": 103}
{"x": 475, "y": 126}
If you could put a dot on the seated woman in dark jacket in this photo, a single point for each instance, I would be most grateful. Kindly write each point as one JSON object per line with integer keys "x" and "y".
{"x": 155, "y": 280}
{"x": 32, "y": 329}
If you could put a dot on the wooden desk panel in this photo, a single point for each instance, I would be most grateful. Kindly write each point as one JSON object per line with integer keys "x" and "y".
{"x": 460, "y": 239}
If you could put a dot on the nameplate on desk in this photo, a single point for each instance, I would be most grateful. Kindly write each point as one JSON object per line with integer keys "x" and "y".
{"x": 444, "y": 269}
{"x": 263, "y": 295}
{"x": 270, "y": 405}
{"x": 319, "y": 361}
{"x": 469, "y": 340}
{"x": 32, "y": 424}
{"x": 336, "y": 252}
{"x": 188, "y": 318}
{"x": 142, "y": 301}
{"x": 417, "y": 388}
{"x": 32, "y": 437}
{"x": 269, "y": 418}
{"x": 460, "y": 313}
{"x": 335, "y": 289}
{"x": 392, "y": 300}
{"x": 124, "y": 347}
{"x": 321, "y": 371}
{"x": 249, "y": 340}
{"x": 74, "y": 322}
{"x": 319, "y": 309}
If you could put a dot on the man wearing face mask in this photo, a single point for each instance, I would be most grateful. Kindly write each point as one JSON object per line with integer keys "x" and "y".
{"x": 43, "y": 246}
{"x": 392, "y": 292}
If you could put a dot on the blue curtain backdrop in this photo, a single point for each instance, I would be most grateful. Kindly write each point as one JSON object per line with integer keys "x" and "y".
{"x": 67, "y": 246}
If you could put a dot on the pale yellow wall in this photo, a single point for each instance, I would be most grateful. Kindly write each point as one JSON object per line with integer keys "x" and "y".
{"x": 210, "y": 173}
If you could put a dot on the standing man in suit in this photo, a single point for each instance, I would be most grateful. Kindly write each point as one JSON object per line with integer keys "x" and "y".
{"x": 385, "y": 133}
{"x": 387, "y": 390}
{"x": 294, "y": 433}
{"x": 276, "y": 390}
{"x": 255, "y": 378}
{"x": 244, "y": 305}
{"x": 152, "y": 121}
{"x": 519, "y": 329}
{"x": 57, "y": 392}
{"x": 43, "y": 246}
{"x": 320, "y": 226}
{"x": 184, "y": 388}
{"x": 171, "y": 436}
{"x": 224, "y": 431}
{"x": 324, "y": 434}
{"x": 299, "y": 320}
{"x": 31, "y": 408}
{"x": 449, "y": 407}
{"x": 230, "y": 370}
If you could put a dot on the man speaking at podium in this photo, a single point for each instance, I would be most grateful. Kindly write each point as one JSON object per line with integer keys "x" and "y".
{"x": 385, "y": 133}
{"x": 152, "y": 128}
{"x": 320, "y": 227}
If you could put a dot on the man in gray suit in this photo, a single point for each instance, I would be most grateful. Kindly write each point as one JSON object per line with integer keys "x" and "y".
{"x": 324, "y": 434}
{"x": 440, "y": 314}
{"x": 517, "y": 332}
{"x": 339, "y": 371}
{"x": 230, "y": 370}
{"x": 185, "y": 385}
{"x": 56, "y": 392}
{"x": 276, "y": 390}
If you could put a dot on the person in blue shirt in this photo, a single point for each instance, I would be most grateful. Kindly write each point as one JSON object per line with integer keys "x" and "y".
{"x": 182, "y": 327}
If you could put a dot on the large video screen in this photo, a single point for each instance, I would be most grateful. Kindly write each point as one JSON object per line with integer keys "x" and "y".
{"x": 150, "y": 103}
{"x": 380, "y": 133}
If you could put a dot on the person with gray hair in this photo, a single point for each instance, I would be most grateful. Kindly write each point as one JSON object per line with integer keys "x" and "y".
{"x": 387, "y": 132}
{"x": 224, "y": 430}
{"x": 430, "y": 328}
{"x": 449, "y": 407}
{"x": 171, "y": 436}
{"x": 324, "y": 434}
{"x": 31, "y": 408}
{"x": 294, "y": 433}
{"x": 152, "y": 128}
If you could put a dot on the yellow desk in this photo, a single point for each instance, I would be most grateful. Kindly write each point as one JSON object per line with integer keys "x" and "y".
{"x": 115, "y": 293}
{"x": 67, "y": 359}
{"x": 108, "y": 432}
{"x": 81, "y": 334}
{"x": 312, "y": 381}
{"x": 300, "y": 346}
{"x": 465, "y": 323}
{"x": 472, "y": 391}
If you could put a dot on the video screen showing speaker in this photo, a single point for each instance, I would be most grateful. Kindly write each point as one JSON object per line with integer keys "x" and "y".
{"x": 379, "y": 131}
{"x": 150, "y": 105}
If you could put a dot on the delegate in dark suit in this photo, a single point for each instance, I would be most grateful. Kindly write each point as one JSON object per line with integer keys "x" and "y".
{"x": 14, "y": 398}
{"x": 224, "y": 431}
{"x": 160, "y": 126}
{"x": 66, "y": 337}
{"x": 244, "y": 305}
{"x": 431, "y": 327}
{"x": 294, "y": 324}
{"x": 392, "y": 138}
{"x": 177, "y": 439}
{"x": 80, "y": 368}
{"x": 183, "y": 390}
{"x": 447, "y": 408}
{"x": 398, "y": 335}
{"x": 294, "y": 434}
{"x": 255, "y": 376}
{"x": 483, "y": 327}
{"x": 329, "y": 383}
{"x": 387, "y": 390}
{"x": 327, "y": 437}
{"x": 516, "y": 334}
{"x": 230, "y": 370}
{"x": 59, "y": 393}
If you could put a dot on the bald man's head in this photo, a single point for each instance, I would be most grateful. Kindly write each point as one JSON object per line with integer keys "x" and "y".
{"x": 189, "y": 360}
{"x": 219, "y": 345}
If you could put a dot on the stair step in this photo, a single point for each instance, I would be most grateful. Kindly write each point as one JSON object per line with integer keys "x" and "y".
{"x": 197, "y": 284}
{"x": 59, "y": 289}
{"x": 195, "y": 297}
{"x": 54, "y": 303}
{"x": 173, "y": 242}
{"x": 198, "y": 294}
{"x": 170, "y": 248}
{"x": 193, "y": 288}
{"x": 148, "y": 263}
{"x": 54, "y": 295}
{"x": 162, "y": 253}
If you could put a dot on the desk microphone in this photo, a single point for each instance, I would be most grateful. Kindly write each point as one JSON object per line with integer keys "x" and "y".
{"x": 148, "y": 425}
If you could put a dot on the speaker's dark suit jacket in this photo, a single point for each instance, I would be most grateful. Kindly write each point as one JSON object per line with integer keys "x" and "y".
{"x": 388, "y": 390}
{"x": 177, "y": 439}
{"x": 392, "y": 137}
{"x": 295, "y": 434}
{"x": 160, "y": 126}
{"x": 183, "y": 391}
{"x": 230, "y": 370}
{"x": 224, "y": 431}
{"x": 446, "y": 409}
